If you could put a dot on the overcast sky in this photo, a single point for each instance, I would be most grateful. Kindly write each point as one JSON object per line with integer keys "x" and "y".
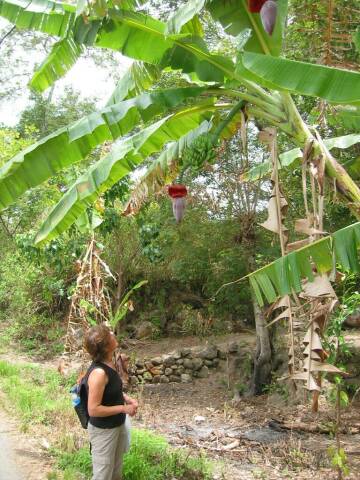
{"x": 88, "y": 78}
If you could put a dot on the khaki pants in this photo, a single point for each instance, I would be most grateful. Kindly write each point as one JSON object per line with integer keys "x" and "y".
{"x": 108, "y": 446}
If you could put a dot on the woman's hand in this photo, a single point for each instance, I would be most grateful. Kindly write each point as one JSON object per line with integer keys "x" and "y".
{"x": 129, "y": 409}
{"x": 131, "y": 401}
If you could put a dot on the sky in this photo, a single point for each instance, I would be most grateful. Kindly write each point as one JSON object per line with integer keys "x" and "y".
{"x": 85, "y": 76}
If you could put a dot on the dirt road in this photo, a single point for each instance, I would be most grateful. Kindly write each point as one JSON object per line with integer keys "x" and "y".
{"x": 9, "y": 467}
{"x": 20, "y": 457}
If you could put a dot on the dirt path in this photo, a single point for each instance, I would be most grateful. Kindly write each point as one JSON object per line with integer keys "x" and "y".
{"x": 8, "y": 461}
{"x": 20, "y": 457}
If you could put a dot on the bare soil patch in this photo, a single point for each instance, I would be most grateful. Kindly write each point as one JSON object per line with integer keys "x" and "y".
{"x": 202, "y": 416}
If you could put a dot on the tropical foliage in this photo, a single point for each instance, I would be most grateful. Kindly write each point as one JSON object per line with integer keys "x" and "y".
{"x": 258, "y": 76}
{"x": 286, "y": 274}
{"x": 218, "y": 96}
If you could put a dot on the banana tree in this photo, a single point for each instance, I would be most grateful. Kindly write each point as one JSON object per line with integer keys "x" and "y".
{"x": 256, "y": 82}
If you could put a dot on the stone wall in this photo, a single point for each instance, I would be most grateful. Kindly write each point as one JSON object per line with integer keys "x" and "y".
{"x": 182, "y": 365}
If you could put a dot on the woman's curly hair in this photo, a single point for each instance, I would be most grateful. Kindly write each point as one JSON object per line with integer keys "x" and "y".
{"x": 96, "y": 342}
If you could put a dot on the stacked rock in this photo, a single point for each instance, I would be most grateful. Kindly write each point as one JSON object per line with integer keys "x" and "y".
{"x": 179, "y": 366}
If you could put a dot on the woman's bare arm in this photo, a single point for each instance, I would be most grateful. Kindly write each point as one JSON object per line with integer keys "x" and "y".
{"x": 97, "y": 382}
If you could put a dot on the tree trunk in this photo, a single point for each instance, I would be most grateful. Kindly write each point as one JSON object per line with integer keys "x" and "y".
{"x": 262, "y": 360}
{"x": 263, "y": 355}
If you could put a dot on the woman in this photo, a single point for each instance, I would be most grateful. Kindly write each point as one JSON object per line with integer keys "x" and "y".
{"x": 107, "y": 406}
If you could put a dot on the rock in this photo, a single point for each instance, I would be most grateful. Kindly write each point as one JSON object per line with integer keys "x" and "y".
{"x": 180, "y": 361}
{"x": 185, "y": 378}
{"x": 139, "y": 363}
{"x": 168, "y": 371}
{"x": 222, "y": 355}
{"x": 208, "y": 363}
{"x": 156, "y": 371}
{"x": 156, "y": 361}
{"x": 168, "y": 360}
{"x": 216, "y": 362}
{"x": 144, "y": 330}
{"x": 176, "y": 354}
{"x": 188, "y": 363}
{"x": 181, "y": 369}
{"x": 209, "y": 352}
{"x": 204, "y": 372}
{"x": 140, "y": 371}
{"x": 233, "y": 347}
{"x": 185, "y": 352}
{"x": 134, "y": 380}
{"x": 156, "y": 379}
{"x": 164, "y": 379}
{"x": 174, "y": 367}
{"x": 353, "y": 320}
{"x": 147, "y": 377}
{"x": 197, "y": 363}
{"x": 199, "y": 419}
{"x": 45, "y": 444}
{"x": 174, "y": 378}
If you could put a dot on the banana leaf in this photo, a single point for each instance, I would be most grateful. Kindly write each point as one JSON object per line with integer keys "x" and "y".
{"x": 45, "y": 16}
{"x": 139, "y": 77}
{"x": 235, "y": 17}
{"x": 63, "y": 56}
{"x": 183, "y": 15}
{"x": 288, "y": 158}
{"x": 163, "y": 170}
{"x": 347, "y": 115}
{"x": 259, "y": 171}
{"x": 124, "y": 158}
{"x": 345, "y": 141}
{"x": 132, "y": 4}
{"x": 143, "y": 38}
{"x": 352, "y": 166}
{"x": 346, "y": 244}
{"x": 72, "y": 144}
{"x": 286, "y": 274}
{"x": 328, "y": 83}
{"x": 124, "y": 306}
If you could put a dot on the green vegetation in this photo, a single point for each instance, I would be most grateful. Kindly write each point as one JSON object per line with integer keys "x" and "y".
{"x": 150, "y": 457}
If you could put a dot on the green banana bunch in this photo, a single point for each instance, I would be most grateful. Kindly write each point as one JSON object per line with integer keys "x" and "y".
{"x": 201, "y": 151}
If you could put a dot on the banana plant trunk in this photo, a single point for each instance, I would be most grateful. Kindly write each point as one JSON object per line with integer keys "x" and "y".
{"x": 263, "y": 355}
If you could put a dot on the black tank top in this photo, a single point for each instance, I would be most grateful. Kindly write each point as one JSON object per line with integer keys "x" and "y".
{"x": 113, "y": 395}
